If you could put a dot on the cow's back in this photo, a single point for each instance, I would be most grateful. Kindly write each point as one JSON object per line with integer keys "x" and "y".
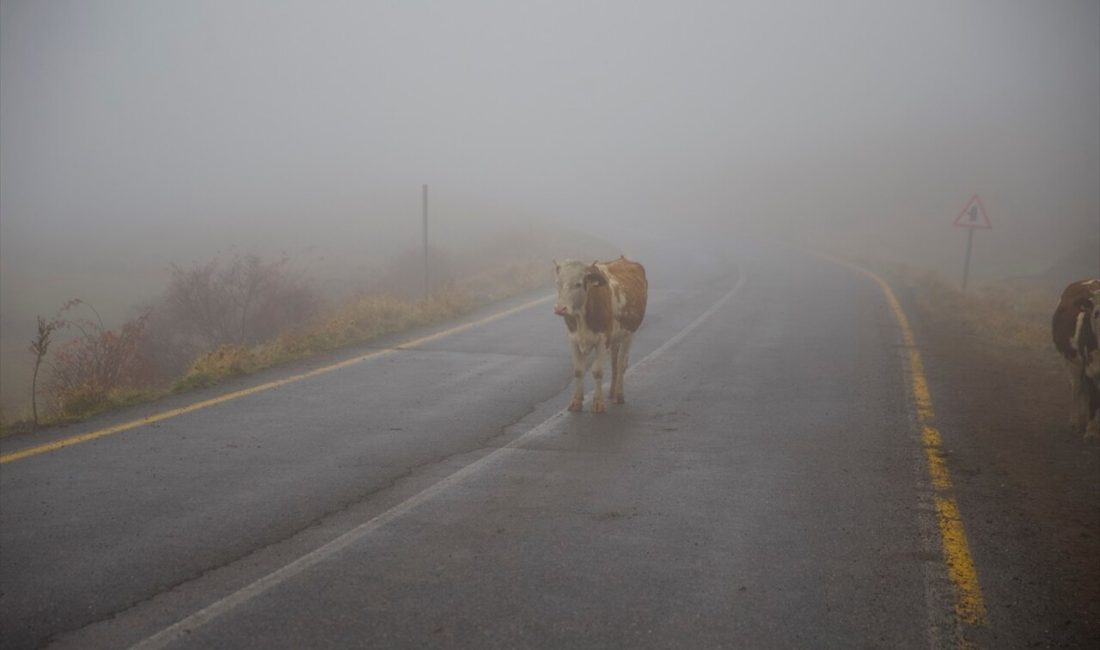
{"x": 1076, "y": 298}
{"x": 630, "y": 282}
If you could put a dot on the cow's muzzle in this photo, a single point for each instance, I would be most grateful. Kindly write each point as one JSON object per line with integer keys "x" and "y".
{"x": 561, "y": 310}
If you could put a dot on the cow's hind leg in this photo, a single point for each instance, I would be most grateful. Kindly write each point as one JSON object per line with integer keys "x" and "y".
{"x": 1092, "y": 391}
{"x": 620, "y": 366}
{"x": 616, "y": 380}
{"x": 597, "y": 376}
{"x": 1078, "y": 395}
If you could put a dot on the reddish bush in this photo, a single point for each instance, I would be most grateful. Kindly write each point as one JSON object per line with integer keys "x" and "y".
{"x": 97, "y": 363}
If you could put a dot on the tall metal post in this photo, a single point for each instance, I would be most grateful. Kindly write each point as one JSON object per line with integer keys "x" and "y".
{"x": 427, "y": 286}
{"x": 966, "y": 267}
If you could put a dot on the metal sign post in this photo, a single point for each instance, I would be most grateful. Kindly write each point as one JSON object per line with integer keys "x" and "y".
{"x": 973, "y": 217}
{"x": 969, "y": 248}
{"x": 427, "y": 286}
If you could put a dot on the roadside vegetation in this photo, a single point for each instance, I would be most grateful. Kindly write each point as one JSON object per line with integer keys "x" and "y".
{"x": 1008, "y": 315}
{"x": 228, "y": 317}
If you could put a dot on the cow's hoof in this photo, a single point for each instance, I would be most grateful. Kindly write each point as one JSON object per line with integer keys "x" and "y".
{"x": 1092, "y": 432}
{"x": 575, "y": 406}
{"x": 598, "y": 407}
{"x": 618, "y": 399}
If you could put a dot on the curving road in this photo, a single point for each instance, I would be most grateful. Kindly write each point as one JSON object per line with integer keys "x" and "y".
{"x": 764, "y": 486}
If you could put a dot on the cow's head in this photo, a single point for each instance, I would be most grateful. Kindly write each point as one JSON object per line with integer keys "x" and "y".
{"x": 574, "y": 280}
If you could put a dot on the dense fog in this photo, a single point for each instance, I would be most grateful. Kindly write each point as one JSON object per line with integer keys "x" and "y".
{"x": 135, "y": 134}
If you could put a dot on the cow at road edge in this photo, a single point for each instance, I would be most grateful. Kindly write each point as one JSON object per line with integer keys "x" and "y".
{"x": 1075, "y": 328}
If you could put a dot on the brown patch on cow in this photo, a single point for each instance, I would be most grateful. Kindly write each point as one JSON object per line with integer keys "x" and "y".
{"x": 597, "y": 309}
{"x": 631, "y": 279}
{"x": 1076, "y": 298}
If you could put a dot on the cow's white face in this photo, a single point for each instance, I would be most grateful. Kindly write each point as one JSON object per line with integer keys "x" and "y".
{"x": 574, "y": 278}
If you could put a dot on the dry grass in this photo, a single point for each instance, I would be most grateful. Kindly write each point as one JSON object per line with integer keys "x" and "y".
{"x": 1009, "y": 316}
{"x": 221, "y": 363}
{"x": 362, "y": 319}
{"x": 1014, "y": 317}
{"x": 80, "y": 403}
{"x": 87, "y": 401}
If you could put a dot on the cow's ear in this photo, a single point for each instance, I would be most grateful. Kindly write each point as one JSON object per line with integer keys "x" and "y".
{"x": 595, "y": 279}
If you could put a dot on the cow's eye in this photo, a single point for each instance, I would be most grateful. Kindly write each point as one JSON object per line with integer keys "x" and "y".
{"x": 580, "y": 284}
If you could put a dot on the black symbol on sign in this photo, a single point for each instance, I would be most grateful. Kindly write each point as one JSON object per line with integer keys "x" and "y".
{"x": 974, "y": 213}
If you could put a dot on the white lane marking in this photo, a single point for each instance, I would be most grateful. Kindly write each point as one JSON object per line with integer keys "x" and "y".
{"x": 195, "y": 621}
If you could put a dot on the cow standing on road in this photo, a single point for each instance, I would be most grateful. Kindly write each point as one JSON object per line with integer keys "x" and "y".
{"x": 603, "y": 304}
{"x": 1076, "y": 328}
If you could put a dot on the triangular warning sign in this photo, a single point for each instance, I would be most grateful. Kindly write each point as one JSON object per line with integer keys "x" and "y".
{"x": 973, "y": 215}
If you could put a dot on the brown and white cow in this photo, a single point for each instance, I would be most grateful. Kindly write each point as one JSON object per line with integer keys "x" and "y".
{"x": 602, "y": 303}
{"x": 1075, "y": 328}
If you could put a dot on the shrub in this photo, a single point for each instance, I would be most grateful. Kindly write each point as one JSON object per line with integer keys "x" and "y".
{"x": 243, "y": 301}
{"x": 97, "y": 366}
{"x": 168, "y": 348}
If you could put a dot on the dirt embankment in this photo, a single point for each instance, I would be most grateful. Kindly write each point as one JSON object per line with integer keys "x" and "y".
{"x": 1028, "y": 487}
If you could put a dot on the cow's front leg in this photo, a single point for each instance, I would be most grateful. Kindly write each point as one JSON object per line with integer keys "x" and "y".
{"x": 1091, "y": 383}
{"x": 578, "y": 379}
{"x": 597, "y": 376}
{"x": 1092, "y": 366}
{"x": 616, "y": 380}
{"x": 617, "y": 395}
{"x": 1078, "y": 395}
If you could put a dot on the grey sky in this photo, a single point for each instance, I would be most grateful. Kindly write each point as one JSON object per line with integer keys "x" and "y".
{"x": 125, "y": 121}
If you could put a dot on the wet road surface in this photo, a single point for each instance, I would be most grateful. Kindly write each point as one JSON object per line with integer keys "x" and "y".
{"x": 763, "y": 487}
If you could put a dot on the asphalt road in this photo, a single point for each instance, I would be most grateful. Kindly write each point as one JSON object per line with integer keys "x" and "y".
{"x": 764, "y": 486}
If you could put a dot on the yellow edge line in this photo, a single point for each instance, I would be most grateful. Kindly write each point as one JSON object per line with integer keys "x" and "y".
{"x": 165, "y": 415}
{"x": 969, "y": 602}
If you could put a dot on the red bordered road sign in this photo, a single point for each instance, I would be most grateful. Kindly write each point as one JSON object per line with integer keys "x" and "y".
{"x": 973, "y": 215}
